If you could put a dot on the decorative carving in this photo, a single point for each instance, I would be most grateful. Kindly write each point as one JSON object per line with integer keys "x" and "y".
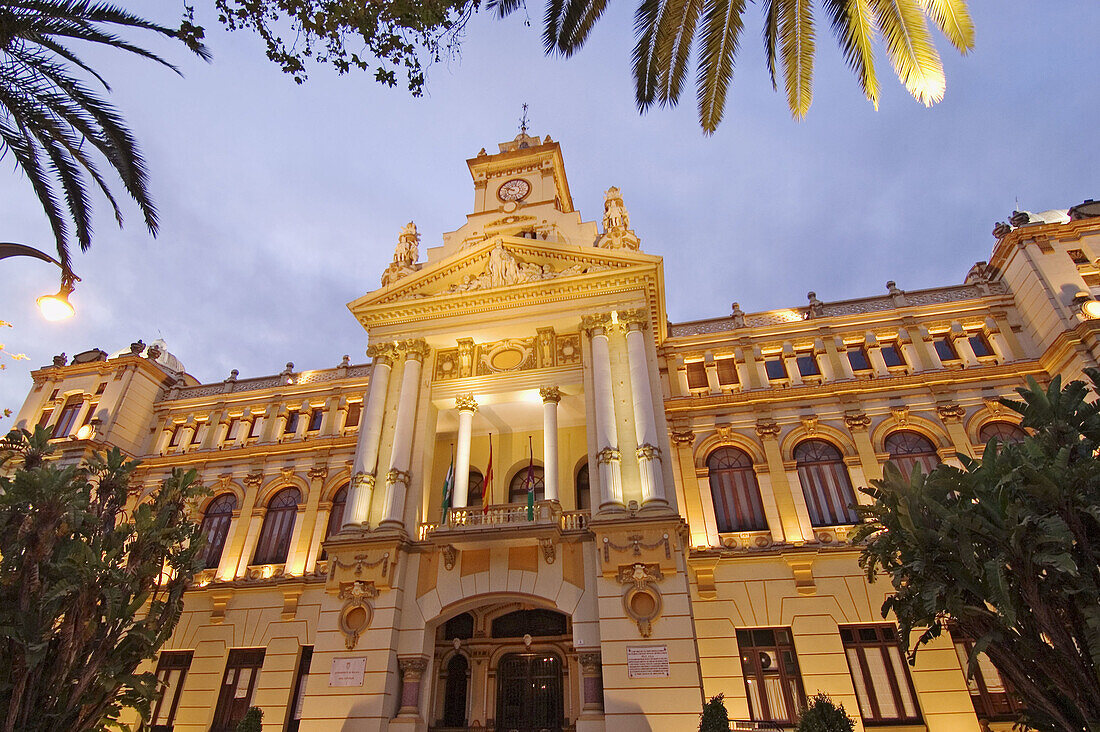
{"x": 857, "y": 422}
{"x": 950, "y": 412}
{"x": 397, "y": 476}
{"x": 504, "y": 269}
{"x": 901, "y": 415}
{"x": 568, "y": 349}
{"x": 545, "y": 350}
{"x": 594, "y": 325}
{"x": 817, "y": 308}
{"x": 412, "y": 668}
{"x": 994, "y": 406}
{"x": 550, "y": 394}
{"x": 724, "y": 432}
{"x": 766, "y": 430}
{"x": 636, "y": 546}
{"x": 382, "y": 353}
{"x": 616, "y": 223}
{"x": 802, "y": 568}
{"x": 357, "y": 613}
{"x": 547, "y": 546}
{"x": 683, "y": 438}
{"x": 465, "y": 357}
{"x": 450, "y": 556}
{"x": 404, "y": 255}
{"x": 545, "y": 340}
{"x": 361, "y": 563}
{"x": 254, "y": 478}
{"x": 511, "y": 354}
{"x": 591, "y": 662}
{"x": 361, "y": 481}
{"x": 641, "y": 598}
{"x": 608, "y": 455}
{"x": 465, "y": 403}
{"x": 809, "y": 423}
{"x": 635, "y": 317}
{"x": 416, "y": 349}
{"x": 319, "y": 472}
{"x": 737, "y": 315}
{"x": 648, "y": 452}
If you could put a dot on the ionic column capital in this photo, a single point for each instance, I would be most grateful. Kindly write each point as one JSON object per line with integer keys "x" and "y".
{"x": 950, "y": 412}
{"x": 396, "y": 476}
{"x": 683, "y": 438}
{"x": 648, "y": 452}
{"x": 466, "y": 403}
{"x": 608, "y": 455}
{"x": 858, "y": 422}
{"x": 318, "y": 473}
{"x": 550, "y": 394}
{"x": 596, "y": 325}
{"x": 767, "y": 430}
{"x": 591, "y": 663}
{"x": 366, "y": 480}
{"x": 635, "y": 319}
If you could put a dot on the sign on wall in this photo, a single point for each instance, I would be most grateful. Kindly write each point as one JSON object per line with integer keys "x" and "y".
{"x": 348, "y": 671}
{"x": 647, "y": 662}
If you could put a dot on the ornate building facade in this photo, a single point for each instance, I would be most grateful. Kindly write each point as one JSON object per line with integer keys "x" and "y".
{"x": 542, "y": 506}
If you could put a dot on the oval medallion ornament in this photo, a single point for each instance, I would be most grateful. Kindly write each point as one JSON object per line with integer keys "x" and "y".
{"x": 507, "y": 359}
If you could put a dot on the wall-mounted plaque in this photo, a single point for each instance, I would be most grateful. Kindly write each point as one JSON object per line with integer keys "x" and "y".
{"x": 647, "y": 662}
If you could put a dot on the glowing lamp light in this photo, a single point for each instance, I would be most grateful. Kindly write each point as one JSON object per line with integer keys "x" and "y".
{"x": 57, "y": 307}
{"x": 1091, "y": 309}
{"x": 85, "y": 432}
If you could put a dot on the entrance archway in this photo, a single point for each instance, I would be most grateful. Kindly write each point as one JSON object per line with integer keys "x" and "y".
{"x": 508, "y": 666}
{"x": 529, "y": 693}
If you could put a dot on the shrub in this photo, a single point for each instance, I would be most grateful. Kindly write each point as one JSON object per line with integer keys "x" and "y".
{"x": 714, "y": 718}
{"x": 824, "y": 715}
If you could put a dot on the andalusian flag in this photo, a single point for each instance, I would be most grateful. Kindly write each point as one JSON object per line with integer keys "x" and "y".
{"x": 449, "y": 487}
{"x": 531, "y": 483}
{"x": 487, "y": 484}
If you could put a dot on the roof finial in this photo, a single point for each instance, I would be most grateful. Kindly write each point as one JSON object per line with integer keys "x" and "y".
{"x": 523, "y": 121}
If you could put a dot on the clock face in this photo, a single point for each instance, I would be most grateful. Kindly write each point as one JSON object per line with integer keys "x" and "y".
{"x": 514, "y": 190}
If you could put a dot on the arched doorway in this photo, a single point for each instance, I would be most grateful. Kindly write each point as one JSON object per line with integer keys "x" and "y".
{"x": 529, "y": 693}
{"x": 506, "y": 666}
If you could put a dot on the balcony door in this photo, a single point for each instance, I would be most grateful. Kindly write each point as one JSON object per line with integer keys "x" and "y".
{"x": 529, "y": 693}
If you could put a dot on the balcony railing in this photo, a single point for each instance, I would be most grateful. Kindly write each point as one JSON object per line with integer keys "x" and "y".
{"x": 508, "y": 515}
{"x": 744, "y": 725}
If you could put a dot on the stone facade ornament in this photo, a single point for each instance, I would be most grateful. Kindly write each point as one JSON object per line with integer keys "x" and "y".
{"x": 412, "y": 671}
{"x": 738, "y": 315}
{"x": 683, "y": 438}
{"x": 950, "y": 412}
{"x": 416, "y": 349}
{"x": 809, "y": 423}
{"x": 548, "y": 552}
{"x": 357, "y": 612}
{"x": 404, "y": 255}
{"x": 901, "y": 415}
{"x": 641, "y": 598}
{"x": 383, "y": 353}
{"x": 765, "y": 430}
{"x": 616, "y": 223}
{"x": 858, "y": 422}
{"x": 817, "y": 308}
{"x": 550, "y": 394}
{"x": 450, "y": 556}
{"x": 466, "y": 403}
{"x": 608, "y": 455}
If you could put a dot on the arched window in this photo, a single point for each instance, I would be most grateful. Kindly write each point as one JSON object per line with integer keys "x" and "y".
{"x": 336, "y": 515}
{"x": 825, "y": 483}
{"x": 735, "y": 492}
{"x": 274, "y": 543}
{"x": 517, "y": 489}
{"x": 584, "y": 490}
{"x": 1006, "y": 432}
{"x": 215, "y": 527}
{"x": 454, "y": 695}
{"x": 908, "y": 449}
{"x": 477, "y": 488}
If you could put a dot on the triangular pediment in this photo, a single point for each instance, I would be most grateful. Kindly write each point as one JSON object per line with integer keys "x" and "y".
{"x": 504, "y": 269}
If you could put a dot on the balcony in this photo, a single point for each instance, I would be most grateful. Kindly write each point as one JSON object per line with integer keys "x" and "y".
{"x": 474, "y": 522}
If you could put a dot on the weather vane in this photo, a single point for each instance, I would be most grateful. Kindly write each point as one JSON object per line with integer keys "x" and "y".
{"x": 523, "y": 121}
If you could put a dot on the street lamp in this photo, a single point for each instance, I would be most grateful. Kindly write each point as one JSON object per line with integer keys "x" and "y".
{"x": 53, "y": 307}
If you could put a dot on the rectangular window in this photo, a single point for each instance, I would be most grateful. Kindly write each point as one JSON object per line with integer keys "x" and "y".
{"x": 880, "y": 674}
{"x": 295, "y": 717}
{"x": 727, "y": 371}
{"x": 807, "y": 365}
{"x": 772, "y": 680}
{"x": 196, "y": 436}
{"x": 90, "y": 415}
{"x": 945, "y": 349}
{"x": 53, "y": 394}
{"x": 101, "y": 388}
{"x": 891, "y": 354}
{"x": 355, "y": 409}
{"x": 235, "y": 695}
{"x": 231, "y": 429}
{"x": 857, "y": 356}
{"x": 775, "y": 368}
{"x": 177, "y": 435}
{"x": 257, "y": 424}
{"x": 66, "y": 420}
{"x": 45, "y": 418}
{"x": 992, "y": 697}
{"x": 171, "y": 671}
{"x": 291, "y": 422}
{"x": 315, "y": 418}
{"x": 980, "y": 345}
{"x": 697, "y": 374}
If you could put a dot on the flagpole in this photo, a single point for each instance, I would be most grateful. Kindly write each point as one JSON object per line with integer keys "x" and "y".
{"x": 530, "y": 479}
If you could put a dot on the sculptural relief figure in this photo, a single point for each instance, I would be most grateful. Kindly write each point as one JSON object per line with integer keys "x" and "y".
{"x": 502, "y": 269}
{"x": 616, "y": 223}
{"x": 405, "y": 255}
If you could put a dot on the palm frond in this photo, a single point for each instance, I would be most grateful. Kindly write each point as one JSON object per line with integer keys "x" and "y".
{"x": 953, "y": 18}
{"x": 796, "y": 32}
{"x": 645, "y": 55}
{"x": 675, "y": 37}
{"x": 576, "y": 21}
{"x": 771, "y": 36}
{"x": 853, "y": 24}
{"x": 504, "y": 8}
{"x": 721, "y": 38}
{"x": 909, "y": 46}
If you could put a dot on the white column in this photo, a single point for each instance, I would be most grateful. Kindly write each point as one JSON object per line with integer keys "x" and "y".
{"x": 551, "y": 395}
{"x": 370, "y": 435}
{"x": 608, "y": 457}
{"x": 645, "y": 423}
{"x": 397, "y": 478}
{"x": 466, "y": 407}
